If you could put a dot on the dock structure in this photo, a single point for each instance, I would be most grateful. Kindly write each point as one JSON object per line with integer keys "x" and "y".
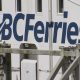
{"x": 69, "y": 60}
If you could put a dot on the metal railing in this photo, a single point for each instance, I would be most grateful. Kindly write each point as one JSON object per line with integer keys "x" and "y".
{"x": 70, "y": 57}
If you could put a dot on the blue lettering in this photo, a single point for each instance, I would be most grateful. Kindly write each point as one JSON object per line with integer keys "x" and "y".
{"x": 48, "y": 25}
{"x": 37, "y": 31}
{"x": 56, "y": 28}
{"x": 6, "y": 27}
{"x": 72, "y": 33}
{"x": 17, "y": 18}
{"x": 28, "y": 26}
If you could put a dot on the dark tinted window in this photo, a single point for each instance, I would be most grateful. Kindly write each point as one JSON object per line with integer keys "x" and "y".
{"x": 39, "y": 5}
{"x": 18, "y": 5}
{"x": 60, "y": 6}
{"x": 0, "y": 5}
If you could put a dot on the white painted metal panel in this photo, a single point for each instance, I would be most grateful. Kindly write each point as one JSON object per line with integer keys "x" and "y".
{"x": 8, "y": 6}
{"x": 15, "y": 58}
{"x": 43, "y": 75}
{"x": 28, "y": 70}
{"x": 16, "y": 75}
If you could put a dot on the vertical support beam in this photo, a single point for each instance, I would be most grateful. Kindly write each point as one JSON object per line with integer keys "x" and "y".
{"x": 65, "y": 62}
{"x": 1, "y": 65}
{"x": 79, "y": 70}
{"x": 7, "y": 63}
{"x": 50, "y": 33}
{"x": 76, "y": 73}
{"x": 65, "y": 65}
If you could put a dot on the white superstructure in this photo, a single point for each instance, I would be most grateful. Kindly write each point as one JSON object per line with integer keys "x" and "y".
{"x": 41, "y": 10}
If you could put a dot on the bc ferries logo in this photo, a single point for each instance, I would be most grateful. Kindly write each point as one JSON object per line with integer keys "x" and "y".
{"x": 11, "y": 27}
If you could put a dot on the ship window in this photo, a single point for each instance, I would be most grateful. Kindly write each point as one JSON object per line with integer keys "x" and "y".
{"x": 60, "y": 6}
{"x": 39, "y": 5}
{"x": 18, "y": 5}
{"x": 0, "y": 5}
